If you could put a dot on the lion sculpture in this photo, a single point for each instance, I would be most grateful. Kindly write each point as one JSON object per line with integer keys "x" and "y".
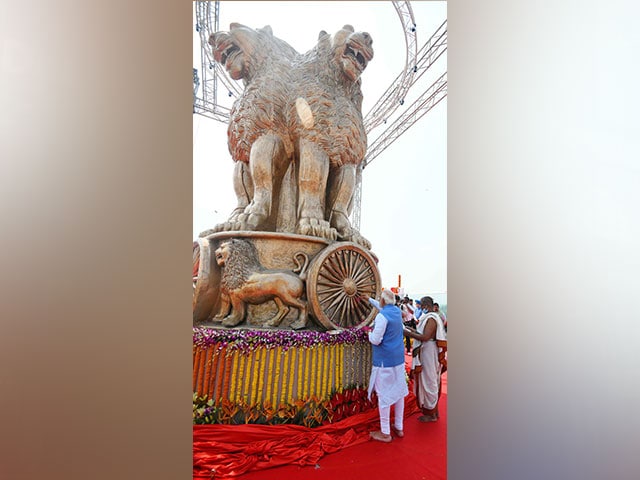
{"x": 296, "y": 133}
{"x": 328, "y": 79}
{"x": 257, "y": 134}
{"x": 245, "y": 281}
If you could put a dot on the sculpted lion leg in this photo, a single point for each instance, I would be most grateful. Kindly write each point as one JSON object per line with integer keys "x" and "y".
{"x": 268, "y": 163}
{"x": 312, "y": 183}
{"x": 224, "y": 309}
{"x": 243, "y": 188}
{"x": 342, "y": 186}
{"x": 301, "y": 322}
{"x": 282, "y": 312}
{"x": 238, "y": 312}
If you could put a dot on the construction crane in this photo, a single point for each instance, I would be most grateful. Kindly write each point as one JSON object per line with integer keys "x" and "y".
{"x": 213, "y": 77}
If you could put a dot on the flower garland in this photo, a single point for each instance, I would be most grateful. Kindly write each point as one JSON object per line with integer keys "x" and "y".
{"x": 252, "y": 344}
{"x": 246, "y": 341}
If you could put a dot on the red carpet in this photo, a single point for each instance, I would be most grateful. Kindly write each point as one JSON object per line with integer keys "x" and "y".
{"x": 332, "y": 452}
{"x": 421, "y": 454}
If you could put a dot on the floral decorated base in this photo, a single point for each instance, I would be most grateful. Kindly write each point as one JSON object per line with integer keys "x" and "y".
{"x": 279, "y": 376}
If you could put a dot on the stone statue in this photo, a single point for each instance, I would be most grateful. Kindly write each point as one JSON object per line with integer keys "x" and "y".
{"x": 297, "y": 138}
{"x": 296, "y": 133}
{"x": 257, "y": 134}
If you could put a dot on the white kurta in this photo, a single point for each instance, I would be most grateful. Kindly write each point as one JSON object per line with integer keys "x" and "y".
{"x": 428, "y": 387}
{"x": 389, "y": 383}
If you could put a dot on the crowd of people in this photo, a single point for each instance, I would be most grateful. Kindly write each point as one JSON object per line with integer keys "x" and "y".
{"x": 419, "y": 328}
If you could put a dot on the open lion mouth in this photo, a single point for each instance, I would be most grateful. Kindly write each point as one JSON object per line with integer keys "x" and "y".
{"x": 359, "y": 51}
{"x": 357, "y": 55}
{"x": 224, "y": 48}
{"x": 227, "y": 52}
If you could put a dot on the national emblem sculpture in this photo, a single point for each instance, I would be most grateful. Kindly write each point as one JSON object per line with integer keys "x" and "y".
{"x": 297, "y": 137}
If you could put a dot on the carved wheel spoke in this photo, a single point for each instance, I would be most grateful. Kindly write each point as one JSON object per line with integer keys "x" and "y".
{"x": 337, "y": 278}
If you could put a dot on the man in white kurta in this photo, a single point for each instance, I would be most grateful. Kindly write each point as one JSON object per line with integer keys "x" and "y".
{"x": 388, "y": 371}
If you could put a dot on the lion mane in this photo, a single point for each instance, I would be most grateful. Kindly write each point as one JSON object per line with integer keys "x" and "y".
{"x": 241, "y": 262}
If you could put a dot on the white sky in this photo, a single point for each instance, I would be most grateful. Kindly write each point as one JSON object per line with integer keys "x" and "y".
{"x": 404, "y": 195}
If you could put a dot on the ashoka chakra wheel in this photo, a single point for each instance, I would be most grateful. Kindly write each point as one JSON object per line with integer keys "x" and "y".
{"x": 337, "y": 278}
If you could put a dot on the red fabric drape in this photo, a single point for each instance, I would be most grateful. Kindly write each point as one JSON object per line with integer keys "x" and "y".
{"x": 221, "y": 451}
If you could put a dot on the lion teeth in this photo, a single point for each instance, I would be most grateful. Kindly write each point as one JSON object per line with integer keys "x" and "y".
{"x": 357, "y": 54}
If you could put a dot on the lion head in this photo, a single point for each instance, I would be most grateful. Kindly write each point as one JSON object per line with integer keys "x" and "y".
{"x": 242, "y": 51}
{"x": 238, "y": 259}
{"x": 351, "y": 51}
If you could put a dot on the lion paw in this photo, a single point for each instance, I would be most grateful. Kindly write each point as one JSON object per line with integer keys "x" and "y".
{"x": 222, "y": 227}
{"x": 352, "y": 235}
{"x": 231, "y": 321}
{"x": 249, "y": 221}
{"x": 316, "y": 228}
{"x": 299, "y": 324}
{"x": 274, "y": 322}
{"x": 228, "y": 225}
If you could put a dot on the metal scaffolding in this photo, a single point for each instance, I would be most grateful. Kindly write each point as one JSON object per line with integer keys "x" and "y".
{"x": 397, "y": 91}
{"x": 212, "y": 74}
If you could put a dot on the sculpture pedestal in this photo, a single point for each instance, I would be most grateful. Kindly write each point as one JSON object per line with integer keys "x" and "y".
{"x": 274, "y": 376}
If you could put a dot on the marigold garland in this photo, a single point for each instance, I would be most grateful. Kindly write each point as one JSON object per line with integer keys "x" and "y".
{"x": 196, "y": 359}
{"x": 244, "y": 393}
{"x": 255, "y": 371}
{"x": 299, "y": 368}
{"x": 234, "y": 370}
{"x": 239, "y": 393}
{"x": 340, "y": 378}
{"x": 226, "y": 379}
{"x": 285, "y": 374}
{"x": 219, "y": 377}
{"x": 317, "y": 366}
{"x": 278, "y": 360}
{"x": 213, "y": 363}
{"x": 263, "y": 353}
{"x": 291, "y": 353}
{"x": 306, "y": 388}
{"x": 269, "y": 369}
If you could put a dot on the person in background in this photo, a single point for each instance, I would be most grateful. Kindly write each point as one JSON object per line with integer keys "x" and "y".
{"x": 426, "y": 368}
{"x": 443, "y": 317}
{"x": 417, "y": 312}
{"x": 387, "y": 372}
{"x": 408, "y": 319}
